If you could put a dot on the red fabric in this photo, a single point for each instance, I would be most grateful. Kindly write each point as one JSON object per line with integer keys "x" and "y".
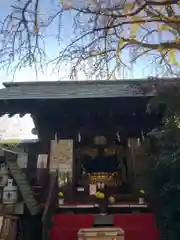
{"x": 136, "y": 226}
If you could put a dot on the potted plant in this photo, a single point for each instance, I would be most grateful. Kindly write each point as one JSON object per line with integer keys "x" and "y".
{"x": 111, "y": 200}
{"x": 141, "y": 196}
{"x": 102, "y": 202}
{"x": 100, "y": 195}
{"x": 61, "y": 198}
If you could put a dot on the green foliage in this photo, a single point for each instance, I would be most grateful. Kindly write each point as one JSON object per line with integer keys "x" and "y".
{"x": 164, "y": 175}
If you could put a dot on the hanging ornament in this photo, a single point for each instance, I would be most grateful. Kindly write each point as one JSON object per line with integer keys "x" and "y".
{"x": 142, "y": 135}
{"x": 139, "y": 142}
{"x": 129, "y": 143}
{"x": 79, "y": 137}
{"x": 118, "y": 136}
{"x": 56, "y": 137}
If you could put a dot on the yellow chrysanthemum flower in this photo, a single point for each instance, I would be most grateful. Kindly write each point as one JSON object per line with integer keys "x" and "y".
{"x": 142, "y": 191}
{"x": 100, "y": 195}
{"x": 60, "y": 194}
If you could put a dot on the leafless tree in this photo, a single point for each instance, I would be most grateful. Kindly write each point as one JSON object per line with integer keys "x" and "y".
{"x": 107, "y": 35}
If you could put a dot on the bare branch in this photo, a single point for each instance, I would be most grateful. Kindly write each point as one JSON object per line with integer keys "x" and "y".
{"x": 102, "y": 36}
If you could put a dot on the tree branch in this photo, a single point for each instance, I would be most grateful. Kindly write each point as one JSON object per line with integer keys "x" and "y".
{"x": 162, "y": 45}
{"x": 98, "y": 32}
{"x": 108, "y": 11}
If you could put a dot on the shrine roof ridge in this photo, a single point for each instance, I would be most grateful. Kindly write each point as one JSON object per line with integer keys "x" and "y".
{"x": 92, "y": 82}
{"x": 42, "y": 90}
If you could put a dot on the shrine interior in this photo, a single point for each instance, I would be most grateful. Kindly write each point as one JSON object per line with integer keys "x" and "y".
{"x": 105, "y": 135}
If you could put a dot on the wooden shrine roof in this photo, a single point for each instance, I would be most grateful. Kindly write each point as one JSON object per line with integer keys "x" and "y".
{"x": 79, "y": 89}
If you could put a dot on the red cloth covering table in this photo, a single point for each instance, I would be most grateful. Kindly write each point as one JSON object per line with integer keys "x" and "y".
{"x": 136, "y": 226}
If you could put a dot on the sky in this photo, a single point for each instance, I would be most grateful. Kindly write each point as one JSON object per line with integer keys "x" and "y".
{"x": 16, "y": 127}
{"x": 139, "y": 71}
{"x": 27, "y": 74}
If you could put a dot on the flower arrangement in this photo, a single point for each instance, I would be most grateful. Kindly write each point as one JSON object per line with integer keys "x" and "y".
{"x": 61, "y": 198}
{"x": 142, "y": 191}
{"x": 100, "y": 195}
{"x": 141, "y": 196}
{"x": 60, "y": 195}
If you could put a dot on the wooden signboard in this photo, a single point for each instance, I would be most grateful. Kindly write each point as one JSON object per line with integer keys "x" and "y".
{"x": 61, "y": 156}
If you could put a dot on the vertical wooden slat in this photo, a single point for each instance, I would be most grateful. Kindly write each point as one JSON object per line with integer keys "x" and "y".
{"x": 22, "y": 183}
